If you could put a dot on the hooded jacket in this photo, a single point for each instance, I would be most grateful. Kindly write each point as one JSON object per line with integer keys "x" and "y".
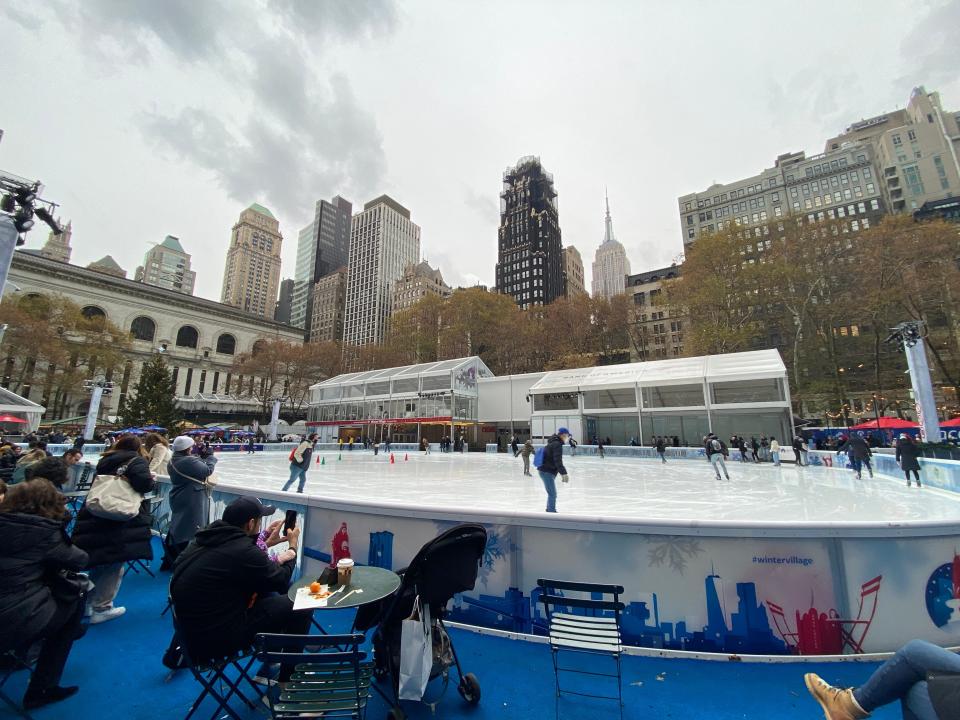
{"x": 111, "y": 541}
{"x": 34, "y": 548}
{"x": 908, "y": 455}
{"x": 215, "y": 582}
{"x": 188, "y": 497}
{"x": 553, "y": 457}
{"x": 856, "y": 447}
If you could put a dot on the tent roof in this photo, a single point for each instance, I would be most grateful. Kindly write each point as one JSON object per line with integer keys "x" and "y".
{"x": 441, "y": 367}
{"x": 755, "y": 364}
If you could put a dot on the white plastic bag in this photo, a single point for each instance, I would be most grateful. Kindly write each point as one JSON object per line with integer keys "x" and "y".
{"x": 416, "y": 653}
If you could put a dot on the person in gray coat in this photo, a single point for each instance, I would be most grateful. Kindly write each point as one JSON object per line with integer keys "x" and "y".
{"x": 188, "y": 498}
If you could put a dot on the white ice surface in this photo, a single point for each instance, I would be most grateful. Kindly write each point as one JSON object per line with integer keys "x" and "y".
{"x": 681, "y": 490}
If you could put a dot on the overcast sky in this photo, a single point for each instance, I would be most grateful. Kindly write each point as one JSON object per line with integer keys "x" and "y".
{"x": 146, "y": 117}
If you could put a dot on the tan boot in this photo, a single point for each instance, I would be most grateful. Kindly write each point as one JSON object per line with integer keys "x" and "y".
{"x": 837, "y": 703}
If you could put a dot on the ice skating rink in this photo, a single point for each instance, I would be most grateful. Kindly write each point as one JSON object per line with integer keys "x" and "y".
{"x": 681, "y": 490}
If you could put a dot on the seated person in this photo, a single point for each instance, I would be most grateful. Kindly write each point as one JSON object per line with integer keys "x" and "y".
{"x": 51, "y": 469}
{"x": 901, "y": 678}
{"x": 72, "y": 456}
{"x": 225, "y": 589}
{"x": 36, "y": 548}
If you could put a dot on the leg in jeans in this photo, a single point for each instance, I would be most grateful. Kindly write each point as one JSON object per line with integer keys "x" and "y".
{"x": 107, "y": 580}
{"x": 526, "y": 465}
{"x": 303, "y": 481}
{"x": 275, "y": 614}
{"x": 776, "y": 459}
{"x": 895, "y": 679}
{"x": 294, "y": 472}
{"x": 58, "y": 637}
{"x": 550, "y": 485}
{"x": 866, "y": 461}
{"x": 917, "y": 705}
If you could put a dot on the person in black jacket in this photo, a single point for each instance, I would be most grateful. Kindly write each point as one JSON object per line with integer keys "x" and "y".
{"x": 908, "y": 455}
{"x": 188, "y": 498}
{"x": 553, "y": 466}
{"x": 111, "y": 543}
{"x": 859, "y": 453}
{"x": 36, "y": 548}
{"x": 225, "y": 589}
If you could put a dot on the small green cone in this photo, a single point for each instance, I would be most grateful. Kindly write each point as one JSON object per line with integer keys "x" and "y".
{"x": 323, "y": 461}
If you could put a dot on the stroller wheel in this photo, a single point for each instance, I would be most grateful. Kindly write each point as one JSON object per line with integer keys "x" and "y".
{"x": 396, "y": 714}
{"x": 469, "y": 688}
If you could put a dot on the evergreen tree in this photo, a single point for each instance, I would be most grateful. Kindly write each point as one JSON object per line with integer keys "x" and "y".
{"x": 153, "y": 400}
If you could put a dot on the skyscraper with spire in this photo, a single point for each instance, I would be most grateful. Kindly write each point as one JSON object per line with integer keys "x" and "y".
{"x": 610, "y": 264}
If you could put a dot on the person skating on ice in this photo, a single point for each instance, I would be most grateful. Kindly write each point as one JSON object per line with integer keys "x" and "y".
{"x": 525, "y": 452}
{"x": 859, "y": 453}
{"x": 716, "y": 451}
{"x": 908, "y": 457}
{"x": 552, "y": 465}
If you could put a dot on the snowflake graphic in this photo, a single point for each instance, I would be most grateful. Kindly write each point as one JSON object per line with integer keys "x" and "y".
{"x": 674, "y": 550}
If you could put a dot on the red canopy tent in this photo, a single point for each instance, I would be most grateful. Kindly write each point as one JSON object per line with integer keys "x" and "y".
{"x": 953, "y": 422}
{"x": 11, "y": 419}
{"x": 885, "y": 423}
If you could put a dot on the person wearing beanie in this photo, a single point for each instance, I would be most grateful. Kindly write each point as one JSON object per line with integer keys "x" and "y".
{"x": 189, "y": 474}
{"x": 908, "y": 457}
{"x": 225, "y": 589}
{"x": 552, "y": 465}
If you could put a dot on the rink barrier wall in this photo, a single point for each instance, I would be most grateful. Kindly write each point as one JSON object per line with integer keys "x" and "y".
{"x": 711, "y": 588}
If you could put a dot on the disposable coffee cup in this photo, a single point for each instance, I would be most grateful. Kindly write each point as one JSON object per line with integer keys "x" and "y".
{"x": 344, "y": 571}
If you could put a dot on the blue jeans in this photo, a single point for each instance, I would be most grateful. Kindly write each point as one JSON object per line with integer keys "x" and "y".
{"x": 295, "y": 472}
{"x": 550, "y": 485}
{"x": 904, "y": 677}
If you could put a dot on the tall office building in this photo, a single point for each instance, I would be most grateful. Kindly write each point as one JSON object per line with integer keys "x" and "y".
{"x": 530, "y": 252}
{"x": 329, "y": 298}
{"x": 840, "y": 186}
{"x": 58, "y": 247}
{"x": 610, "y": 264}
{"x": 917, "y": 151}
{"x": 323, "y": 247}
{"x": 282, "y": 309}
{"x": 573, "y": 280}
{"x": 658, "y": 325}
{"x": 383, "y": 242}
{"x": 167, "y": 265}
{"x": 252, "y": 274}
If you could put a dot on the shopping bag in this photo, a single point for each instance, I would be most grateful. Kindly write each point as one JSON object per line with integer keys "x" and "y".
{"x": 416, "y": 653}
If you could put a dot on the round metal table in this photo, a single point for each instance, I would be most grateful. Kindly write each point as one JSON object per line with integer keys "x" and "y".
{"x": 376, "y": 583}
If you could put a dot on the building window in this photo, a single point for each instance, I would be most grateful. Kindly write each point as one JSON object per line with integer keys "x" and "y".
{"x": 143, "y": 328}
{"x": 226, "y": 344}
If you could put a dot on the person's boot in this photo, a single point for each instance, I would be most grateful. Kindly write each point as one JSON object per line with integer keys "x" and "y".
{"x": 837, "y": 703}
{"x": 34, "y": 699}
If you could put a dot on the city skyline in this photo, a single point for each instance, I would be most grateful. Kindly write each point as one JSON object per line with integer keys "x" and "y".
{"x": 186, "y": 122}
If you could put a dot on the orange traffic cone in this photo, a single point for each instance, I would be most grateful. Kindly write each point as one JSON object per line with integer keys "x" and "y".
{"x": 392, "y": 461}
{"x": 406, "y": 457}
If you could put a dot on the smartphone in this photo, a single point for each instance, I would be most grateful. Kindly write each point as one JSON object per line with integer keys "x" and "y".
{"x": 290, "y": 521}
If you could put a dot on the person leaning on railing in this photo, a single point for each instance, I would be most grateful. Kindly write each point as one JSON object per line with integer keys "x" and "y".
{"x": 37, "y": 603}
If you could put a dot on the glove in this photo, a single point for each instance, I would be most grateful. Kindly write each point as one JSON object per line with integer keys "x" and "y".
{"x": 566, "y": 478}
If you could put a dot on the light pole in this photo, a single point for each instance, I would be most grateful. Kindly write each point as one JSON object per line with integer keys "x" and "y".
{"x": 909, "y": 335}
{"x": 98, "y": 387}
{"x": 275, "y": 416}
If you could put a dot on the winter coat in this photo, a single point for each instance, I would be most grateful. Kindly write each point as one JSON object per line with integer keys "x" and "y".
{"x": 302, "y": 455}
{"x": 34, "y": 549}
{"x": 661, "y": 445}
{"x": 112, "y": 541}
{"x": 159, "y": 457}
{"x": 527, "y": 450}
{"x": 188, "y": 499}
{"x": 553, "y": 457}
{"x": 907, "y": 455}
{"x": 20, "y": 471}
{"x": 214, "y": 584}
{"x": 856, "y": 447}
{"x": 8, "y": 462}
{"x": 711, "y": 450}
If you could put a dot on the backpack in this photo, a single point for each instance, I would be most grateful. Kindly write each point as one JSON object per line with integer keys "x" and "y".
{"x": 538, "y": 456}
{"x": 292, "y": 453}
{"x": 716, "y": 446}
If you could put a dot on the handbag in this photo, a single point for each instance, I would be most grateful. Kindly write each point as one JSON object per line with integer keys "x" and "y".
{"x": 416, "y": 653}
{"x": 68, "y": 585}
{"x": 944, "y": 690}
{"x": 112, "y": 497}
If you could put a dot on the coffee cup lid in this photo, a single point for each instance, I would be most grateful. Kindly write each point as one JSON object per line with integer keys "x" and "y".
{"x": 344, "y": 562}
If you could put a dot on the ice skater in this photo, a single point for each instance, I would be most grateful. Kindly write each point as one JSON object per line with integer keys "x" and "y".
{"x": 799, "y": 451}
{"x": 552, "y": 465}
{"x": 859, "y": 453}
{"x": 716, "y": 452}
{"x": 300, "y": 462}
{"x": 514, "y": 446}
{"x": 525, "y": 452}
{"x": 600, "y": 448}
{"x": 908, "y": 457}
{"x": 661, "y": 446}
{"x": 775, "y": 451}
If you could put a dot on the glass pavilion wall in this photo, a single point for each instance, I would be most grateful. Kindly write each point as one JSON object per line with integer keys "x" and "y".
{"x": 404, "y": 404}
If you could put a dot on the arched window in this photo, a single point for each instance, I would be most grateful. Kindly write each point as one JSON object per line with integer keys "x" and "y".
{"x": 187, "y": 337}
{"x": 226, "y": 344}
{"x": 143, "y": 328}
{"x": 258, "y": 346}
{"x": 92, "y": 312}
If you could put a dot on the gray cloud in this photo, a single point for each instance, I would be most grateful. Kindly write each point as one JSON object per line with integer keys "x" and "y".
{"x": 483, "y": 204}
{"x": 931, "y": 47}
{"x": 304, "y": 133}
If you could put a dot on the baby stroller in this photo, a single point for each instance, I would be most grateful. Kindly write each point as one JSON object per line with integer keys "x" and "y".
{"x": 446, "y": 565}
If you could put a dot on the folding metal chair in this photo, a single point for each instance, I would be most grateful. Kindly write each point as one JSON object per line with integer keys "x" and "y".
{"x": 213, "y": 675}
{"x": 331, "y": 676}
{"x": 138, "y": 565}
{"x": 583, "y": 625}
{"x": 77, "y": 496}
{"x": 13, "y": 662}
